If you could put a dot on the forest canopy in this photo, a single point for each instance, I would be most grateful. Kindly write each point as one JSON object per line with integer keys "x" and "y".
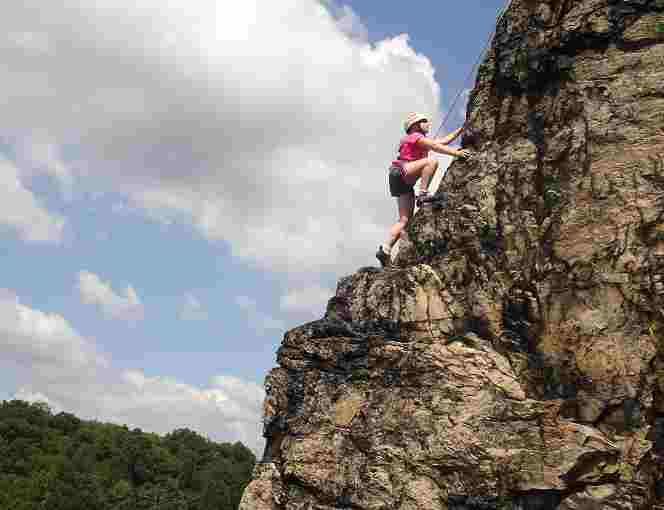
{"x": 60, "y": 462}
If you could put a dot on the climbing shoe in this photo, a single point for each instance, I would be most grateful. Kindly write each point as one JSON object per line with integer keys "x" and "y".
{"x": 383, "y": 257}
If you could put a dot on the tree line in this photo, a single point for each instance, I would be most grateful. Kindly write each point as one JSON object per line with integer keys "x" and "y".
{"x": 59, "y": 462}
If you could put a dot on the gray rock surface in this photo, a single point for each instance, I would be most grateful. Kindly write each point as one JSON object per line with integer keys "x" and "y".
{"x": 513, "y": 356}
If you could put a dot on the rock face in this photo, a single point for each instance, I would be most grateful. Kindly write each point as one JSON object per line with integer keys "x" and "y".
{"x": 513, "y": 356}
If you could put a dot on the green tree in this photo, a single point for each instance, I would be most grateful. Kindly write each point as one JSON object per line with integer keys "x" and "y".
{"x": 59, "y": 462}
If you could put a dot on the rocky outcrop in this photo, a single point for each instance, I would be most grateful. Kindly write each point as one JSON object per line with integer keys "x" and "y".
{"x": 513, "y": 356}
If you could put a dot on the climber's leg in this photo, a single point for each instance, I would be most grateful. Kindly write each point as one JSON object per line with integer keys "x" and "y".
{"x": 406, "y": 205}
{"x": 403, "y": 192}
{"x": 421, "y": 169}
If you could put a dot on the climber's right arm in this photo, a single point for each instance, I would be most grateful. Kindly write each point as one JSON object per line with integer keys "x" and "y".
{"x": 435, "y": 146}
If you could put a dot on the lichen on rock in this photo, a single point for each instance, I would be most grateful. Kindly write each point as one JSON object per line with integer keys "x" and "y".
{"x": 513, "y": 355}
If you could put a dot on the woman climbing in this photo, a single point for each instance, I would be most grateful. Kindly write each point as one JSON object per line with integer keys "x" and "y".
{"x": 414, "y": 163}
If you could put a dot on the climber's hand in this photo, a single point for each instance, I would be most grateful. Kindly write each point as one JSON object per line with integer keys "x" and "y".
{"x": 465, "y": 154}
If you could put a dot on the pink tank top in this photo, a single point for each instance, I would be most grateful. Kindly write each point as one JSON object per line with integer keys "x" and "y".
{"x": 409, "y": 150}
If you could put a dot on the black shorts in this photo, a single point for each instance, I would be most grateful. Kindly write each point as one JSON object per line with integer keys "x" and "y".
{"x": 398, "y": 186}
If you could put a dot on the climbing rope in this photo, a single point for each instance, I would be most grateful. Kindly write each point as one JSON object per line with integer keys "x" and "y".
{"x": 473, "y": 70}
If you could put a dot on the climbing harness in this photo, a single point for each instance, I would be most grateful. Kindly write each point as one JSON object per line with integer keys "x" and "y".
{"x": 473, "y": 70}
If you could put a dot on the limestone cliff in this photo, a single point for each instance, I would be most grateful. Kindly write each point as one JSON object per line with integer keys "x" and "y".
{"x": 513, "y": 357}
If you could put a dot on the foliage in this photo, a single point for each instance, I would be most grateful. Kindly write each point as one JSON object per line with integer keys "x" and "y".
{"x": 521, "y": 66}
{"x": 489, "y": 237}
{"x": 430, "y": 247}
{"x": 360, "y": 375}
{"x": 552, "y": 191}
{"x": 59, "y": 462}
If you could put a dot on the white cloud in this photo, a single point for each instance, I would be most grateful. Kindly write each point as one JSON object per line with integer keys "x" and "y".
{"x": 37, "y": 156}
{"x": 311, "y": 300}
{"x": 54, "y": 364}
{"x": 21, "y": 212}
{"x": 270, "y": 129}
{"x": 237, "y": 389}
{"x": 260, "y": 322}
{"x": 192, "y": 309}
{"x": 94, "y": 291}
{"x": 47, "y": 341}
{"x": 224, "y": 410}
{"x": 31, "y": 43}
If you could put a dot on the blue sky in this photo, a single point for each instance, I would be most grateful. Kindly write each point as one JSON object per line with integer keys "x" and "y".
{"x": 180, "y": 186}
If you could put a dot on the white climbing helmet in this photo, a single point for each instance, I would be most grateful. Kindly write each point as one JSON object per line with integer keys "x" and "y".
{"x": 413, "y": 118}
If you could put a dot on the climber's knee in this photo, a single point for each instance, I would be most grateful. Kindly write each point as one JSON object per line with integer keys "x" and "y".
{"x": 432, "y": 164}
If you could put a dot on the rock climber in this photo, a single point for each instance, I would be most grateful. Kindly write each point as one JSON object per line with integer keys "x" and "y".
{"x": 413, "y": 163}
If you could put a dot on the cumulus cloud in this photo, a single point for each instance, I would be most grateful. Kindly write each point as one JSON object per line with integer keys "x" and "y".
{"x": 94, "y": 291}
{"x": 36, "y": 156}
{"x": 192, "y": 309}
{"x": 54, "y": 364}
{"x": 310, "y": 300}
{"x": 20, "y": 210}
{"x": 270, "y": 129}
{"x": 224, "y": 410}
{"x": 46, "y": 340}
